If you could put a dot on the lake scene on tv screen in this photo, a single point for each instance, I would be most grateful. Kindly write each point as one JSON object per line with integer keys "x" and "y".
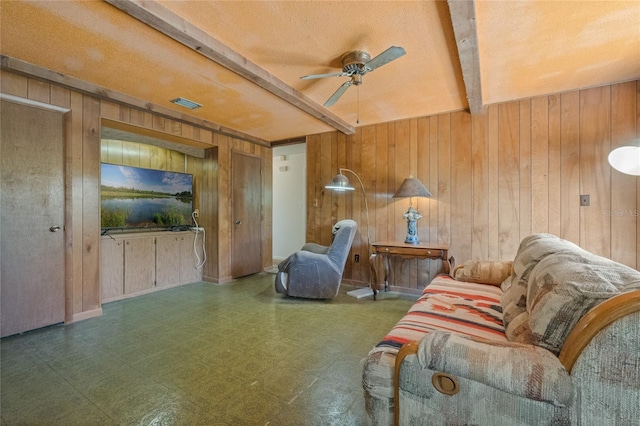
{"x": 133, "y": 197}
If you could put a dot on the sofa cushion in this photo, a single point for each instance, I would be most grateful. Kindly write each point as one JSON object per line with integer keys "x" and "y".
{"x": 564, "y": 286}
{"x": 447, "y": 305}
{"x": 484, "y": 272}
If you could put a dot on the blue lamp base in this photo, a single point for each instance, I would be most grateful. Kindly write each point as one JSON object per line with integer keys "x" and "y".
{"x": 412, "y": 216}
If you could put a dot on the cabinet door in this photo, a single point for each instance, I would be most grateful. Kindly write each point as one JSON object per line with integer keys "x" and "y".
{"x": 188, "y": 271}
{"x": 111, "y": 268}
{"x": 139, "y": 260}
{"x": 168, "y": 260}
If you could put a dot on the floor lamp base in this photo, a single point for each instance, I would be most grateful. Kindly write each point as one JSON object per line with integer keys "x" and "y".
{"x": 360, "y": 293}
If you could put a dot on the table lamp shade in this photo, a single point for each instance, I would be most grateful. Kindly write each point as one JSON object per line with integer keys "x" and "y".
{"x": 412, "y": 187}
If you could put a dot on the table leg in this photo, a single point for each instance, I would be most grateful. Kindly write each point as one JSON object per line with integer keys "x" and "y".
{"x": 387, "y": 268}
{"x": 373, "y": 280}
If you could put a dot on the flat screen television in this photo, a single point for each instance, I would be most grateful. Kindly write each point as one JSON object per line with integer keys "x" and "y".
{"x": 132, "y": 198}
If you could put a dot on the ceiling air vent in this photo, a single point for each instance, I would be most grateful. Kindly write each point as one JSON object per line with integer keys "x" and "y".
{"x": 186, "y": 103}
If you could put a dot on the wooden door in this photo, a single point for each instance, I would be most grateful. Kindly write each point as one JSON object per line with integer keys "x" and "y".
{"x": 32, "y": 218}
{"x": 246, "y": 221}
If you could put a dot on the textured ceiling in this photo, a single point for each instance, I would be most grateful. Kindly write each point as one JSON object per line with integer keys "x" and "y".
{"x": 523, "y": 49}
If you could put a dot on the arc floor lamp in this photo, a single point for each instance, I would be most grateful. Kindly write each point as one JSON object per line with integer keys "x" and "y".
{"x": 340, "y": 183}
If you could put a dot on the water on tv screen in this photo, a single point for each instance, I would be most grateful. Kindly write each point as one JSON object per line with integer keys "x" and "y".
{"x": 133, "y": 197}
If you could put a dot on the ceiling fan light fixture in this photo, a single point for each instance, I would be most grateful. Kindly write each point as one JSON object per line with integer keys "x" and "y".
{"x": 185, "y": 103}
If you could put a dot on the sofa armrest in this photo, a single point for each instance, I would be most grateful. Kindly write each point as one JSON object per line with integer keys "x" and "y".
{"x": 523, "y": 370}
{"x": 595, "y": 321}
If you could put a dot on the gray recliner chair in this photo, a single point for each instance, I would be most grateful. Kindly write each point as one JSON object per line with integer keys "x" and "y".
{"x": 315, "y": 271}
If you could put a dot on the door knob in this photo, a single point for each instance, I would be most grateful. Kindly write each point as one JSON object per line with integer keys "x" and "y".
{"x": 238, "y": 222}
{"x": 54, "y": 228}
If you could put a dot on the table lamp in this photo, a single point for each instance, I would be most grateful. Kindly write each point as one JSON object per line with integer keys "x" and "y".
{"x": 412, "y": 187}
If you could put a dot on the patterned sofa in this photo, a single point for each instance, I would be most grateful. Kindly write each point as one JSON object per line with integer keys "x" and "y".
{"x": 550, "y": 338}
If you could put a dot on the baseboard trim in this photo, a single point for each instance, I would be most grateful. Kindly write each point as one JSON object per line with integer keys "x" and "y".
{"x": 81, "y": 316}
{"x": 213, "y": 280}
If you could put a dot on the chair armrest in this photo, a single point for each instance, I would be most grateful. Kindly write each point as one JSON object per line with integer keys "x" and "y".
{"x": 315, "y": 248}
{"x": 300, "y": 257}
{"x": 520, "y": 369}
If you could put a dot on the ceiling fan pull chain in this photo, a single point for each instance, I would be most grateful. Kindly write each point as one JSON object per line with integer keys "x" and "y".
{"x": 358, "y": 107}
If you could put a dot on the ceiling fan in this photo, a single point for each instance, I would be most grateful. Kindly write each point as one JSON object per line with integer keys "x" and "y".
{"x": 355, "y": 64}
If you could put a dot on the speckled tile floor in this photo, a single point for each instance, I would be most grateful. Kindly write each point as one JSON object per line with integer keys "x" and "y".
{"x": 201, "y": 354}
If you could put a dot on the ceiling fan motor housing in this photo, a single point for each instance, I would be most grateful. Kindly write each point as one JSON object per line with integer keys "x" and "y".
{"x": 353, "y": 63}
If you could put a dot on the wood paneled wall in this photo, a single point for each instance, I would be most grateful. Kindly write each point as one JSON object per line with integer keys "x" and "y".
{"x": 83, "y": 154}
{"x": 517, "y": 169}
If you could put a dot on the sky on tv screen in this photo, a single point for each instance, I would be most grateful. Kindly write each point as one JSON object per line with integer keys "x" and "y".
{"x": 145, "y": 179}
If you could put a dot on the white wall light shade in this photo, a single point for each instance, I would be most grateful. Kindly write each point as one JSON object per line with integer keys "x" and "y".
{"x": 626, "y": 159}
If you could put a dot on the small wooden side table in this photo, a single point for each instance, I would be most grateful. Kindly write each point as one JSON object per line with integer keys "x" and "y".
{"x": 407, "y": 251}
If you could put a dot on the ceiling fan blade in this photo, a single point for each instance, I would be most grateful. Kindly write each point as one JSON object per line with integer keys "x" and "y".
{"x": 391, "y": 54}
{"x": 334, "y": 98}
{"x": 337, "y": 74}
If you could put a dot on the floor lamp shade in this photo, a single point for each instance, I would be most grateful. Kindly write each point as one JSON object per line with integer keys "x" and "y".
{"x": 340, "y": 183}
{"x": 626, "y": 159}
{"x": 412, "y": 187}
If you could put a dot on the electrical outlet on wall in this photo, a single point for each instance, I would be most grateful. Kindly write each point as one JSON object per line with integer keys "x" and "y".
{"x": 196, "y": 213}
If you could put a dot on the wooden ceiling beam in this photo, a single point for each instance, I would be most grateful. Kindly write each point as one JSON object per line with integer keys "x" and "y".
{"x": 168, "y": 23}
{"x": 463, "y": 18}
{"x": 30, "y": 70}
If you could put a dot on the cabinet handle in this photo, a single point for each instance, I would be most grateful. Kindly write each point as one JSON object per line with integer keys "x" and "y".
{"x": 238, "y": 222}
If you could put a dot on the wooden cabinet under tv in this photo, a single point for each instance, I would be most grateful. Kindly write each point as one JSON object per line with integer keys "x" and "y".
{"x": 135, "y": 264}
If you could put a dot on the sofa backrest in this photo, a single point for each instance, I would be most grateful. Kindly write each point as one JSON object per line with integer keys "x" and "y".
{"x": 514, "y": 299}
{"x": 553, "y": 285}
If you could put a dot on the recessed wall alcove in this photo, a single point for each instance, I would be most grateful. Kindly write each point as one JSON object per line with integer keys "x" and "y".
{"x": 127, "y": 145}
